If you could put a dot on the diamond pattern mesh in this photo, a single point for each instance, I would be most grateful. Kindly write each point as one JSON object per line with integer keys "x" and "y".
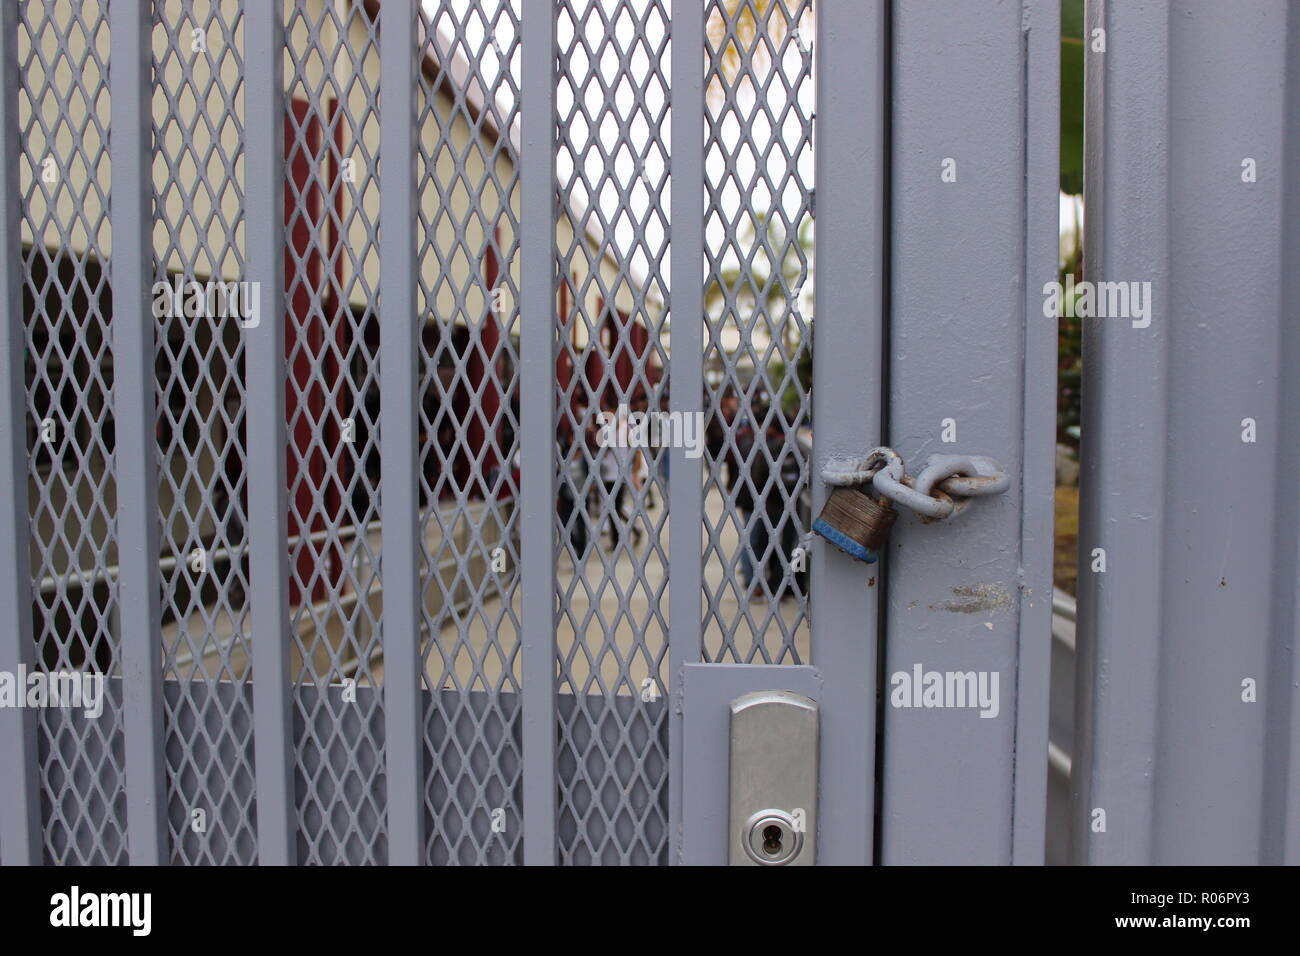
{"x": 758, "y": 242}
{"x": 611, "y": 253}
{"x": 468, "y": 234}
{"x": 332, "y": 192}
{"x": 198, "y": 204}
{"x": 67, "y": 306}
{"x": 612, "y": 162}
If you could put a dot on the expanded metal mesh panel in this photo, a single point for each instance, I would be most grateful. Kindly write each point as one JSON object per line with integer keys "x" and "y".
{"x": 67, "y": 306}
{"x": 479, "y": 738}
{"x": 611, "y": 339}
{"x": 758, "y": 354}
{"x": 198, "y": 205}
{"x": 612, "y": 161}
{"x": 331, "y": 66}
{"x": 468, "y": 233}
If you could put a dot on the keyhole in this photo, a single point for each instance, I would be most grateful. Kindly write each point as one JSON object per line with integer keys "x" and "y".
{"x": 771, "y": 839}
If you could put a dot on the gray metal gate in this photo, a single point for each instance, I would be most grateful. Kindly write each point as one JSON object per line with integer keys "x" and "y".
{"x": 298, "y": 463}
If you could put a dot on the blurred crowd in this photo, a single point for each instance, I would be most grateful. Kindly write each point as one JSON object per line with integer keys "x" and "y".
{"x": 751, "y": 458}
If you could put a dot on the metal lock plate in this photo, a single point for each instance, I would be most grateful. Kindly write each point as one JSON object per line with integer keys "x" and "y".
{"x": 773, "y": 769}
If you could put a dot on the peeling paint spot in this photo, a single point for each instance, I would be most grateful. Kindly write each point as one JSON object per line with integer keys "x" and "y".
{"x": 974, "y": 598}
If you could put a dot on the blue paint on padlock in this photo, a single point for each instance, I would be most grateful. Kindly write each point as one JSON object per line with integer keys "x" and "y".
{"x": 855, "y": 523}
{"x": 844, "y": 542}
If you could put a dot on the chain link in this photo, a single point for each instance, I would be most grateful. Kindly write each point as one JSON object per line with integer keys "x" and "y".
{"x": 940, "y": 491}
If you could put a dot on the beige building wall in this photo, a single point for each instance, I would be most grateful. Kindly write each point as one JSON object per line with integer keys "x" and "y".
{"x": 201, "y": 230}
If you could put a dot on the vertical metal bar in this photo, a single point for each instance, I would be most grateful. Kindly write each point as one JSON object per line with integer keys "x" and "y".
{"x": 1186, "y": 639}
{"x": 136, "y": 455}
{"x": 958, "y": 197}
{"x": 268, "y": 562}
{"x": 1117, "y": 719}
{"x": 686, "y": 371}
{"x": 399, "y": 385}
{"x": 1283, "y": 798}
{"x": 847, "y": 407}
{"x": 537, "y": 428}
{"x": 20, "y": 819}
{"x": 1217, "y": 604}
{"x": 1042, "y": 74}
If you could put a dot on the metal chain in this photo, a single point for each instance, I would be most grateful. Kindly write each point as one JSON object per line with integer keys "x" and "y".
{"x": 940, "y": 491}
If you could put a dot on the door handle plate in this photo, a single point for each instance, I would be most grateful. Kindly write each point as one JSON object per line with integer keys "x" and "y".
{"x": 773, "y": 777}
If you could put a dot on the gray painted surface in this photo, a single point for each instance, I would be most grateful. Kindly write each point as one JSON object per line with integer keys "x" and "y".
{"x": 968, "y": 342}
{"x": 1199, "y": 590}
{"x": 704, "y": 695}
{"x": 537, "y": 427}
{"x": 686, "y": 299}
{"x": 1041, "y": 29}
{"x": 267, "y": 438}
{"x": 1281, "y": 836}
{"x": 847, "y": 404}
{"x": 139, "y": 578}
{"x": 403, "y": 600}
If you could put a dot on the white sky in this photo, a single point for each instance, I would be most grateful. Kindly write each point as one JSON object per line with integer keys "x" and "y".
{"x": 614, "y": 164}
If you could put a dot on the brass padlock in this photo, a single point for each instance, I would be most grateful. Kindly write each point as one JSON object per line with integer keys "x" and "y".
{"x": 855, "y": 523}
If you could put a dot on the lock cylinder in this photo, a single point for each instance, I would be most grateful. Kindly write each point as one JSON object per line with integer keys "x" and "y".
{"x": 855, "y": 523}
{"x": 771, "y": 838}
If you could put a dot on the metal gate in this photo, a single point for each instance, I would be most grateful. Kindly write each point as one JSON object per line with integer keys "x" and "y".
{"x": 301, "y": 467}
